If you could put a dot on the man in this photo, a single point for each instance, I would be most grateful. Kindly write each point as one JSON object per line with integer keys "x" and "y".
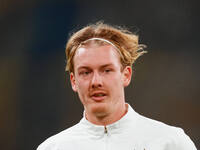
{"x": 99, "y": 59}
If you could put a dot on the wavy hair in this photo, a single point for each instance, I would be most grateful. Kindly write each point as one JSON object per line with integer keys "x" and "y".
{"x": 126, "y": 42}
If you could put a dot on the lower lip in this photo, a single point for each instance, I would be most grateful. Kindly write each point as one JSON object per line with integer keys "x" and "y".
{"x": 99, "y": 98}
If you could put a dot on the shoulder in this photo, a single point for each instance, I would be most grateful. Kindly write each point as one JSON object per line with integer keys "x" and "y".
{"x": 156, "y": 126}
{"x": 65, "y": 136}
{"x": 170, "y": 136}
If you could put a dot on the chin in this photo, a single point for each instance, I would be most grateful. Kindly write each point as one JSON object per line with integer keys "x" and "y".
{"x": 99, "y": 110}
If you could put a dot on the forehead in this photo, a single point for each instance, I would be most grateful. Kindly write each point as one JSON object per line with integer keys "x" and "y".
{"x": 96, "y": 55}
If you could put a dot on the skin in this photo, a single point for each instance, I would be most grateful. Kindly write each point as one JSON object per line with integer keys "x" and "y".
{"x": 99, "y": 80}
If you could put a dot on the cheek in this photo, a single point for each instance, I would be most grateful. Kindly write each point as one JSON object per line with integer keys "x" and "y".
{"x": 115, "y": 83}
{"x": 81, "y": 93}
{"x": 118, "y": 80}
{"x": 82, "y": 88}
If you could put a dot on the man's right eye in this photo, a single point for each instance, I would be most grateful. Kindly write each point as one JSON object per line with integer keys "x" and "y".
{"x": 84, "y": 72}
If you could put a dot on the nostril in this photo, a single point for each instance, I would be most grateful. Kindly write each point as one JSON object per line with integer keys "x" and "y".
{"x": 96, "y": 85}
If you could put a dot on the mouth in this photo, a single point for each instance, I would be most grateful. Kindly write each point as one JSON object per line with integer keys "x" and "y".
{"x": 98, "y": 96}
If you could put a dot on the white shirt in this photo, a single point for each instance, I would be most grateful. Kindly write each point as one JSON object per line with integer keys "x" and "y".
{"x": 131, "y": 132}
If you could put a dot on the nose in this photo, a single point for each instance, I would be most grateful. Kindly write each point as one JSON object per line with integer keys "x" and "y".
{"x": 96, "y": 81}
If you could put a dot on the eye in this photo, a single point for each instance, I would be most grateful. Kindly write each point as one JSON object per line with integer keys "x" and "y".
{"x": 85, "y": 73}
{"x": 107, "y": 70}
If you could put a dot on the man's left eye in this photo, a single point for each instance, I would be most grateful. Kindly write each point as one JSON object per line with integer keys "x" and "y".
{"x": 107, "y": 70}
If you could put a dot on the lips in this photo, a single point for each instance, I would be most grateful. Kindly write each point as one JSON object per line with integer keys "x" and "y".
{"x": 98, "y": 96}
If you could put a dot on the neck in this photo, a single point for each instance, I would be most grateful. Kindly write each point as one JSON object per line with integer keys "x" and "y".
{"x": 107, "y": 118}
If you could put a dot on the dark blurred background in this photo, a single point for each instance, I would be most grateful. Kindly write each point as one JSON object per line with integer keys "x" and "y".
{"x": 36, "y": 100}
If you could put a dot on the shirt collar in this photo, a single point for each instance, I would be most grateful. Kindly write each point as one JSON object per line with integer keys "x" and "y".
{"x": 129, "y": 119}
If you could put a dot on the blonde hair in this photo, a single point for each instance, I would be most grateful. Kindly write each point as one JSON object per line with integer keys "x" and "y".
{"x": 125, "y": 41}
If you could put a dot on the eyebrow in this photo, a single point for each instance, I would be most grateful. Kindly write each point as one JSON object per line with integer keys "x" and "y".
{"x": 106, "y": 65}
{"x": 103, "y": 66}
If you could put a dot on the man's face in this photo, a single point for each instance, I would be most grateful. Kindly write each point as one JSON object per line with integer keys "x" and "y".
{"x": 99, "y": 79}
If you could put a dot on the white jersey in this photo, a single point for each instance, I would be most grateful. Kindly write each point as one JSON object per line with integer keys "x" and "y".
{"x": 131, "y": 132}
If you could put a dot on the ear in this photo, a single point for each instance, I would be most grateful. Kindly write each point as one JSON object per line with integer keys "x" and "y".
{"x": 127, "y": 74}
{"x": 73, "y": 82}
